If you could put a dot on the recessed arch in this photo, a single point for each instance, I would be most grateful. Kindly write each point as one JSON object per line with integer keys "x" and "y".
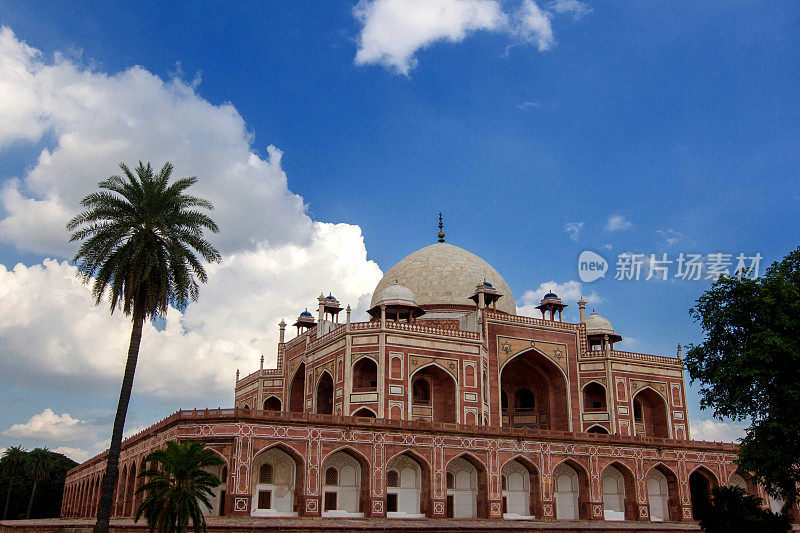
{"x": 365, "y": 374}
{"x": 443, "y": 390}
{"x": 297, "y": 390}
{"x": 350, "y": 494}
{"x": 282, "y": 495}
{"x": 571, "y": 490}
{"x": 514, "y": 498}
{"x": 412, "y": 496}
{"x": 598, "y": 428}
{"x": 701, "y": 481}
{"x": 272, "y": 403}
{"x": 595, "y": 397}
{"x": 467, "y": 495}
{"x": 620, "y": 487}
{"x": 662, "y": 493}
{"x": 365, "y": 412}
{"x": 651, "y": 413}
{"x": 323, "y": 399}
{"x": 535, "y": 371}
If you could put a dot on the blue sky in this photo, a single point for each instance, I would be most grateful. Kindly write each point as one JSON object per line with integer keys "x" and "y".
{"x": 514, "y": 121}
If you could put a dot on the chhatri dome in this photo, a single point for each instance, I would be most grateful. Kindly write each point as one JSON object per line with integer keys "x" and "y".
{"x": 443, "y": 274}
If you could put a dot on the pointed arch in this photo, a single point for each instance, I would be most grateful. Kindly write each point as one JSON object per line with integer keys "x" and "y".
{"x": 297, "y": 390}
{"x": 324, "y": 390}
{"x": 534, "y": 370}
{"x": 422, "y": 489}
{"x": 442, "y": 403}
{"x": 595, "y": 397}
{"x": 701, "y": 481}
{"x": 651, "y": 413}
{"x": 481, "y": 494}
{"x": 598, "y": 428}
{"x": 663, "y": 501}
{"x": 365, "y": 374}
{"x": 365, "y": 412}
{"x": 629, "y": 506}
{"x": 298, "y": 499}
{"x": 272, "y": 403}
{"x": 579, "y": 485}
{"x": 534, "y": 483}
{"x": 121, "y": 492}
{"x": 363, "y": 475}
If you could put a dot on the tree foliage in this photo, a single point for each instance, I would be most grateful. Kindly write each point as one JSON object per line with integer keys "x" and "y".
{"x": 748, "y": 366}
{"x": 732, "y": 510}
{"x": 176, "y": 486}
{"x": 141, "y": 236}
{"x": 49, "y": 488}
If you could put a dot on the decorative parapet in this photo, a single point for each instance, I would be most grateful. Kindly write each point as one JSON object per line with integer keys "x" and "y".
{"x": 432, "y": 330}
{"x": 631, "y": 356}
{"x": 503, "y": 317}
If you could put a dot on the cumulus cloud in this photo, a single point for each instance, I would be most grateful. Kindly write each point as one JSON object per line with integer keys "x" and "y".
{"x": 276, "y": 259}
{"x": 569, "y": 292}
{"x": 574, "y": 7}
{"x": 671, "y": 236}
{"x": 617, "y": 223}
{"x": 49, "y": 426}
{"x": 78, "y": 455}
{"x": 393, "y": 31}
{"x": 573, "y": 229}
{"x": 717, "y": 430}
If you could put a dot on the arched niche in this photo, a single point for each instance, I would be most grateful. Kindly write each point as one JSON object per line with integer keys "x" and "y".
{"x": 324, "y": 398}
{"x": 365, "y": 375}
{"x": 297, "y": 390}
{"x": 433, "y": 395}
{"x": 701, "y": 481}
{"x": 619, "y": 493}
{"x": 570, "y": 491}
{"x": 533, "y": 371}
{"x": 277, "y": 481}
{"x": 217, "y": 499}
{"x": 345, "y": 484}
{"x": 365, "y": 412}
{"x": 594, "y": 397}
{"x": 662, "y": 494}
{"x": 466, "y": 485}
{"x": 272, "y": 404}
{"x": 408, "y": 486}
{"x": 519, "y": 483}
{"x": 650, "y": 414}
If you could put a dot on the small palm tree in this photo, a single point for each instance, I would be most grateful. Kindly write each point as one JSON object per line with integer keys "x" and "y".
{"x": 176, "y": 486}
{"x": 38, "y": 464}
{"x": 140, "y": 235}
{"x": 12, "y": 465}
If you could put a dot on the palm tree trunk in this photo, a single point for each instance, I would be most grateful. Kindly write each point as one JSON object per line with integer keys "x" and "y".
{"x": 30, "y": 502}
{"x": 112, "y": 465}
{"x": 8, "y": 498}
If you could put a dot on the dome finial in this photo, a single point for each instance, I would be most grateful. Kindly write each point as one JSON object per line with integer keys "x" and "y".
{"x": 441, "y": 229}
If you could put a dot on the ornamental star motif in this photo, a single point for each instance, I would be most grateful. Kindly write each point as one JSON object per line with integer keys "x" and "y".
{"x": 506, "y": 347}
{"x": 559, "y": 354}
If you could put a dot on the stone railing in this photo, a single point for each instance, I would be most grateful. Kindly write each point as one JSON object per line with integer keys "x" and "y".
{"x": 532, "y": 321}
{"x": 631, "y": 356}
{"x": 404, "y": 326}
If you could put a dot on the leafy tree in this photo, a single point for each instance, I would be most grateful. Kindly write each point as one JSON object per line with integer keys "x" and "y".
{"x": 38, "y": 464}
{"x": 140, "y": 238}
{"x": 732, "y": 510}
{"x": 12, "y": 465}
{"x": 748, "y": 366}
{"x": 176, "y": 486}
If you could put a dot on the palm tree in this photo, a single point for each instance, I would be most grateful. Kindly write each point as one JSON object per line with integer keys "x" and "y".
{"x": 38, "y": 464}
{"x": 12, "y": 464}
{"x": 176, "y": 486}
{"x": 140, "y": 235}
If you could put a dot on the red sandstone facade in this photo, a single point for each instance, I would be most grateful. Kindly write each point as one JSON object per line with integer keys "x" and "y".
{"x": 445, "y": 408}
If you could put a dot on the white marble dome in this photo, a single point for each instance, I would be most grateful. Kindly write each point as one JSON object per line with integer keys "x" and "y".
{"x": 445, "y": 274}
{"x": 396, "y": 294}
{"x": 595, "y": 324}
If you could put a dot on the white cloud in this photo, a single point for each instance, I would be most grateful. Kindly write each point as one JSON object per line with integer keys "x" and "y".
{"x": 578, "y": 9}
{"x": 393, "y": 31}
{"x": 533, "y": 25}
{"x": 569, "y": 292}
{"x": 276, "y": 260}
{"x": 50, "y": 427}
{"x": 717, "y": 430}
{"x": 671, "y": 236}
{"x": 573, "y": 229}
{"x": 529, "y": 105}
{"x": 617, "y": 222}
{"x": 78, "y": 455}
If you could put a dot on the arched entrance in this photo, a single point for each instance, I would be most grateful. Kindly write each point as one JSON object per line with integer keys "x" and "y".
{"x": 345, "y": 490}
{"x": 272, "y": 404}
{"x": 535, "y": 393}
{"x": 407, "y": 487}
{"x": 519, "y": 483}
{"x": 433, "y": 395}
{"x": 570, "y": 484}
{"x": 619, "y": 493}
{"x": 365, "y": 375}
{"x": 275, "y": 475}
{"x": 594, "y": 398}
{"x": 297, "y": 390}
{"x": 325, "y": 394}
{"x": 217, "y": 500}
{"x": 466, "y": 484}
{"x": 650, "y": 414}
{"x": 365, "y": 412}
{"x": 700, "y": 483}
{"x": 662, "y": 494}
